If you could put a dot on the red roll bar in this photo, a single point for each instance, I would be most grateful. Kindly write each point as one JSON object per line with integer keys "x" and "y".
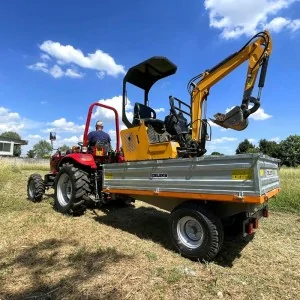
{"x": 88, "y": 120}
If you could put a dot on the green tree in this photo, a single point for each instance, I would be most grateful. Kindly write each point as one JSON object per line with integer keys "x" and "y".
{"x": 64, "y": 147}
{"x": 42, "y": 149}
{"x": 216, "y": 153}
{"x": 290, "y": 151}
{"x": 31, "y": 154}
{"x": 270, "y": 148}
{"x": 13, "y": 135}
{"x": 246, "y": 147}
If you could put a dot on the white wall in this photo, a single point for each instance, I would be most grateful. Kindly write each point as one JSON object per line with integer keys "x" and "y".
{"x": 20, "y": 160}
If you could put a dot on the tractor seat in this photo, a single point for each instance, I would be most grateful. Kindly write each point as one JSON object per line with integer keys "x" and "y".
{"x": 147, "y": 114}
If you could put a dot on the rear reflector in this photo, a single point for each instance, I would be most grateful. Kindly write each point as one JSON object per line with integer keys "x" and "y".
{"x": 266, "y": 213}
{"x": 250, "y": 228}
{"x": 255, "y": 223}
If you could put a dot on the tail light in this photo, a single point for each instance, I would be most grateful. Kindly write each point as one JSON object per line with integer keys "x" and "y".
{"x": 266, "y": 213}
{"x": 255, "y": 223}
{"x": 250, "y": 228}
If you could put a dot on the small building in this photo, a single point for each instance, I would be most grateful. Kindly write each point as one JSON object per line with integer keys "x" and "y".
{"x": 7, "y": 145}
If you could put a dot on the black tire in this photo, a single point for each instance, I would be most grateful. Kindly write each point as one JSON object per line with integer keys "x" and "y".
{"x": 70, "y": 197}
{"x": 35, "y": 187}
{"x": 207, "y": 237}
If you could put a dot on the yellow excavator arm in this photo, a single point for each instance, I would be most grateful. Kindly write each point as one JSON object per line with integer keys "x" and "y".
{"x": 257, "y": 52}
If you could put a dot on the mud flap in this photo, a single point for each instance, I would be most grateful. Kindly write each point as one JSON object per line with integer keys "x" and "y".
{"x": 234, "y": 119}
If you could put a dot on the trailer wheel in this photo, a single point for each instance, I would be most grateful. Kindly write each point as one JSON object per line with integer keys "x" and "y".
{"x": 196, "y": 232}
{"x": 35, "y": 187}
{"x": 71, "y": 190}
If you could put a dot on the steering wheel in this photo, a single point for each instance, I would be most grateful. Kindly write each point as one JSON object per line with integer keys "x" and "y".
{"x": 80, "y": 144}
{"x": 172, "y": 107}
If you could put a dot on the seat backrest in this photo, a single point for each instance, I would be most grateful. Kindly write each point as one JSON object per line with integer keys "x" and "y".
{"x": 142, "y": 111}
{"x": 176, "y": 126}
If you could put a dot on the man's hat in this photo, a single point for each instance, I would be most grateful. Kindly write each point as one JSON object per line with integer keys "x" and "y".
{"x": 99, "y": 123}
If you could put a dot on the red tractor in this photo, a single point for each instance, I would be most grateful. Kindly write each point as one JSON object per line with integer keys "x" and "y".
{"x": 77, "y": 176}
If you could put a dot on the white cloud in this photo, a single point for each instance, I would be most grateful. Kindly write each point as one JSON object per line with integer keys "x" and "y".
{"x": 45, "y": 57}
{"x": 62, "y": 125}
{"x": 67, "y": 54}
{"x": 34, "y": 136}
{"x": 43, "y": 102}
{"x": 294, "y": 25}
{"x": 104, "y": 114}
{"x": 212, "y": 124}
{"x": 228, "y": 150}
{"x": 223, "y": 139}
{"x": 253, "y": 141}
{"x": 279, "y": 23}
{"x": 108, "y": 116}
{"x": 13, "y": 121}
{"x": 55, "y": 71}
{"x": 275, "y": 139}
{"x": 10, "y": 121}
{"x": 39, "y": 66}
{"x": 100, "y": 75}
{"x": 73, "y": 73}
{"x": 159, "y": 110}
{"x": 260, "y": 115}
{"x": 72, "y": 140}
{"x": 246, "y": 17}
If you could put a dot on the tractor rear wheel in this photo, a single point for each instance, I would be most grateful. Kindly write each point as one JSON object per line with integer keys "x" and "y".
{"x": 35, "y": 187}
{"x": 196, "y": 232}
{"x": 71, "y": 190}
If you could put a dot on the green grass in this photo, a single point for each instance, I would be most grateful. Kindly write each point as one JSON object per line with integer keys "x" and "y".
{"x": 289, "y": 198}
{"x": 7, "y": 173}
{"x": 33, "y": 167}
{"x": 125, "y": 253}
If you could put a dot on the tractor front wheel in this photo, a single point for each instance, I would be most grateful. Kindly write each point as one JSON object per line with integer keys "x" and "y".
{"x": 35, "y": 187}
{"x": 71, "y": 190}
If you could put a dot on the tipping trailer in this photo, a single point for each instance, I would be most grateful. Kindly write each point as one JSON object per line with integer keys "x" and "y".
{"x": 163, "y": 162}
{"x": 200, "y": 193}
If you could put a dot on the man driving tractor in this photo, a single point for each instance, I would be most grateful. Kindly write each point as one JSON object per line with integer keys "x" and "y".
{"x": 98, "y": 135}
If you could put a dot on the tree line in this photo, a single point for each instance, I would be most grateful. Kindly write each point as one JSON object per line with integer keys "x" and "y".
{"x": 42, "y": 149}
{"x": 288, "y": 150}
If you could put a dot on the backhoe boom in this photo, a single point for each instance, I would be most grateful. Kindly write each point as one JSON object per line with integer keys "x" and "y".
{"x": 257, "y": 53}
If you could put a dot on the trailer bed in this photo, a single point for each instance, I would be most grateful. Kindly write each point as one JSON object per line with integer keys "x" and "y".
{"x": 246, "y": 178}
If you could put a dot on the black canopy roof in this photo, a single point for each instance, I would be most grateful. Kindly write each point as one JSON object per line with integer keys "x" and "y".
{"x": 145, "y": 74}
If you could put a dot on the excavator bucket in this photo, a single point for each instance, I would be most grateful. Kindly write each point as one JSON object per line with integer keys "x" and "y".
{"x": 234, "y": 119}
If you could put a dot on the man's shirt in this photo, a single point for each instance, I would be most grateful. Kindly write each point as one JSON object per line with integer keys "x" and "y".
{"x": 95, "y": 136}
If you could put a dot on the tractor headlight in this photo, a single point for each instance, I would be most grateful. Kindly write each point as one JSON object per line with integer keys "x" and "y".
{"x": 84, "y": 149}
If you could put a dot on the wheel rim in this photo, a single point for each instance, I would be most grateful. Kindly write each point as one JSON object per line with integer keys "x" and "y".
{"x": 190, "y": 232}
{"x": 64, "y": 190}
{"x": 31, "y": 188}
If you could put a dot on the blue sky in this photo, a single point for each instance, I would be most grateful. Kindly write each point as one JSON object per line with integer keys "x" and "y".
{"x": 61, "y": 56}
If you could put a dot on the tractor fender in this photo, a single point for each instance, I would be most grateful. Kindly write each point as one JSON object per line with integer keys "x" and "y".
{"x": 80, "y": 158}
